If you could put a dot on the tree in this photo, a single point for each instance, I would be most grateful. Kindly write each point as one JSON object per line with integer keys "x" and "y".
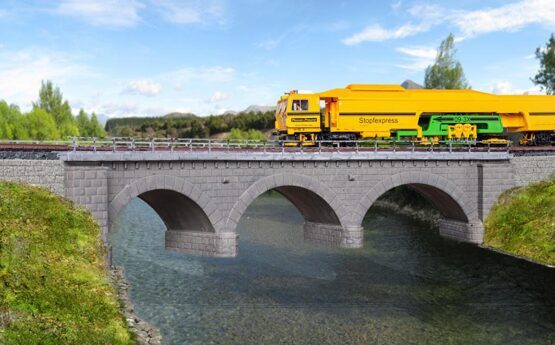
{"x": 41, "y": 125}
{"x": 446, "y": 72}
{"x": 95, "y": 128}
{"x": 251, "y": 134}
{"x": 11, "y": 122}
{"x": 51, "y": 101}
{"x": 546, "y": 75}
{"x": 6, "y": 121}
{"x": 83, "y": 123}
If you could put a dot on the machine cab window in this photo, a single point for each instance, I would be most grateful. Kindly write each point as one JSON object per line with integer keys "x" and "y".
{"x": 300, "y": 105}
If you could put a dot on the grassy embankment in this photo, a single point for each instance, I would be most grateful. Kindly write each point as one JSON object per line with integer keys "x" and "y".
{"x": 54, "y": 285}
{"x": 523, "y": 222}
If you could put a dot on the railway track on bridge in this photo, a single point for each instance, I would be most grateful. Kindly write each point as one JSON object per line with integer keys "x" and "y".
{"x": 270, "y": 146}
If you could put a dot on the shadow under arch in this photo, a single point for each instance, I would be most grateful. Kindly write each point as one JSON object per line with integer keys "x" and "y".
{"x": 314, "y": 201}
{"x": 180, "y": 205}
{"x": 460, "y": 219}
{"x": 448, "y": 198}
{"x": 177, "y": 211}
{"x": 190, "y": 216}
{"x": 322, "y": 212}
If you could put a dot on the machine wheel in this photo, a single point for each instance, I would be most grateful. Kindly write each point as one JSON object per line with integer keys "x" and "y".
{"x": 542, "y": 139}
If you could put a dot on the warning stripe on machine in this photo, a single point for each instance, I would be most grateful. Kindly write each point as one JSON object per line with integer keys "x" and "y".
{"x": 550, "y": 113}
{"x": 303, "y": 119}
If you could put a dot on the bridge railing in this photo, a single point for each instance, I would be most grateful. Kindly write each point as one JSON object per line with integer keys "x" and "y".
{"x": 120, "y": 144}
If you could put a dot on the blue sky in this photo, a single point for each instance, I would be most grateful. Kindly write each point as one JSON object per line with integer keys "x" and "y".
{"x": 146, "y": 57}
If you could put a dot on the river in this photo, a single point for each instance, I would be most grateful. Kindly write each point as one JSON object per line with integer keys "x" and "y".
{"x": 406, "y": 286}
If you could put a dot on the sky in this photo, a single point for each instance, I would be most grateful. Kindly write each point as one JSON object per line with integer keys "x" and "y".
{"x": 148, "y": 58}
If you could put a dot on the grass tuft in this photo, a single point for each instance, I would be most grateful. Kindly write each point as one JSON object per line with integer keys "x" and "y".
{"x": 54, "y": 285}
{"x": 522, "y": 222}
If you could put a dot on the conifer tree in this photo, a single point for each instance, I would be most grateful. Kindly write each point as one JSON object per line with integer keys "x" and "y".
{"x": 446, "y": 72}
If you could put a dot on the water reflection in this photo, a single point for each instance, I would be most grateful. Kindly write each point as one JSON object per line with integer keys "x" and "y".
{"x": 406, "y": 286}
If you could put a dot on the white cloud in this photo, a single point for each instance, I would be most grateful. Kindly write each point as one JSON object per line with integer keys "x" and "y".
{"x": 506, "y": 88}
{"x": 21, "y": 73}
{"x": 190, "y": 11}
{"x": 418, "y": 57}
{"x": 502, "y": 87}
{"x": 143, "y": 87}
{"x": 432, "y": 14}
{"x": 419, "y": 52}
{"x": 112, "y": 13}
{"x": 218, "y": 96}
{"x": 511, "y": 17}
{"x": 376, "y": 33}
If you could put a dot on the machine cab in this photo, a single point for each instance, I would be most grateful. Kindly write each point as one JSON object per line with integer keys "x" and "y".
{"x": 298, "y": 113}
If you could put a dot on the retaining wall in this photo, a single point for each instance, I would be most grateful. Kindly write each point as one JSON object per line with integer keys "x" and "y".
{"x": 530, "y": 169}
{"x": 44, "y": 173}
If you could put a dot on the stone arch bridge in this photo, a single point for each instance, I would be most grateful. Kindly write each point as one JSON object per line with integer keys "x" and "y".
{"x": 202, "y": 196}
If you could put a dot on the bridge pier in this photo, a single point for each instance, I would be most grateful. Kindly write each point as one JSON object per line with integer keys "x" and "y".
{"x": 223, "y": 245}
{"x": 471, "y": 232}
{"x": 333, "y": 235}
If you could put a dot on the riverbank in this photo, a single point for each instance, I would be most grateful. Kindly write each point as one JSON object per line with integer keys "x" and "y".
{"x": 55, "y": 288}
{"x": 145, "y": 333}
{"x": 522, "y": 222}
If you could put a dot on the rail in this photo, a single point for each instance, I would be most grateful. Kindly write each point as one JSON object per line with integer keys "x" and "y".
{"x": 118, "y": 144}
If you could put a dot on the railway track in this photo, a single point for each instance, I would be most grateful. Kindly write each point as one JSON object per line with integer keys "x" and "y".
{"x": 36, "y": 147}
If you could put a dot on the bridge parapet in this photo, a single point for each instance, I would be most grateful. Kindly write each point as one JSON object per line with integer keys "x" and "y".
{"x": 281, "y": 156}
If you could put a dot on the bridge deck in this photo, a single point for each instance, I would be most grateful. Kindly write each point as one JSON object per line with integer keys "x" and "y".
{"x": 80, "y": 156}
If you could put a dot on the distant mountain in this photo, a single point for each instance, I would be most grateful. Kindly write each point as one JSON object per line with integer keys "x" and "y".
{"x": 253, "y": 108}
{"x": 259, "y": 108}
{"x": 178, "y": 114}
{"x": 410, "y": 85}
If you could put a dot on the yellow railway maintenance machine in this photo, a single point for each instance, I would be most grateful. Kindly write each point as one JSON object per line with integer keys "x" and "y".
{"x": 362, "y": 111}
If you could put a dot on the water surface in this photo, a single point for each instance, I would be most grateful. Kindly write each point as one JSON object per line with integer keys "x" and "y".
{"x": 406, "y": 286}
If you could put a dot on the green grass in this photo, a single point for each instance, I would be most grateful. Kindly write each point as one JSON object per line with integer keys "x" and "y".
{"x": 54, "y": 284}
{"x": 523, "y": 222}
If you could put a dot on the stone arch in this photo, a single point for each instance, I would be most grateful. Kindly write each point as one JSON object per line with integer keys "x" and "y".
{"x": 447, "y": 197}
{"x": 179, "y": 204}
{"x": 316, "y": 202}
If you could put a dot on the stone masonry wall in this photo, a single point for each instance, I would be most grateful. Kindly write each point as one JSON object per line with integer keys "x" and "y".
{"x": 88, "y": 186}
{"x": 530, "y": 169}
{"x": 45, "y": 173}
{"x": 224, "y": 188}
{"x": 222, "y": 184}
{"x": 493, "y": 179}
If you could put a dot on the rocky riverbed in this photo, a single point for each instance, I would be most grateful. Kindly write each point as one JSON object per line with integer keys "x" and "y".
{"x": 145, "y": 333}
